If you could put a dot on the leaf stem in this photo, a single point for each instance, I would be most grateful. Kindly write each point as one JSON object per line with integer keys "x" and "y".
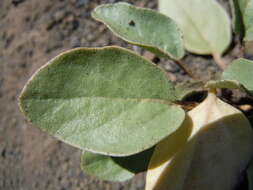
{"x": 219, "y": 61}
{"x": 213, "y": 91}
{"x": 186, "y": 69}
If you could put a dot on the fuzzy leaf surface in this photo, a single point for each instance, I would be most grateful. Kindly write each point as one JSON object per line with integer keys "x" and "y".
{"x": 143, "y": 27}
{"x": 206, "y": 26}
{"x": 115, "y": 168}
{"x": 248, "y": 17}
{"x": 106, "y": 100}
{"x": 214, "y": 138}
{"x": 240, "y": 70}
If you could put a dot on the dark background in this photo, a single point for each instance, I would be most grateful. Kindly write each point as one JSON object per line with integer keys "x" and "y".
{"x": 31, "y": 33}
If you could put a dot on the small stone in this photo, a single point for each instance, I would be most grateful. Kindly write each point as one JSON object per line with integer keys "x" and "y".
{"x": 171, "y": 66}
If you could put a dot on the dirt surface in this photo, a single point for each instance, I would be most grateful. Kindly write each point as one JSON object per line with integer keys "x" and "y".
{"x": 31, "y": 33}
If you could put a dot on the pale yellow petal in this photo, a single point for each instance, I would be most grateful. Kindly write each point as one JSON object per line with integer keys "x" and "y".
{"x": 219, "y": 147}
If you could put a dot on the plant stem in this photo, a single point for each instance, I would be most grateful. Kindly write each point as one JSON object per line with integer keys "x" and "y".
{"x": 219, "y": 61}
{"x": 186, "y": 69}
{"x": 187, "y": 106}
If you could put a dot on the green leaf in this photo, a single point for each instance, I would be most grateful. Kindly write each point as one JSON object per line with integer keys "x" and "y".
{"x": 143, "y": 27}
{"x": 242, "y": 4}
{"x": 206, "y": 26}
{"x": 243, "y": 15}
{"x": 240, "y": 70}
{"x": 248, "y": 18}
{"x": 115, "y": 168}
{"x": 230, "y": 84}
{"x": 106, "y": 100}
{"x": 237, "y": 17}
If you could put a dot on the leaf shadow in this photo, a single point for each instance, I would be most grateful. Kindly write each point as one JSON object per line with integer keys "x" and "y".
{"x": 135, "y": 163}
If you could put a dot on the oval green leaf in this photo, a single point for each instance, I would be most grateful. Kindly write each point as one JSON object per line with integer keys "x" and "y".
{"x": 115, "y": 168}
{"x": 206, "y": 26}
{"x": 240, "y": 70}
{"x": 106, "y": 100}
{"x": 248, "y": 17}
{"x": 143, "y": 27}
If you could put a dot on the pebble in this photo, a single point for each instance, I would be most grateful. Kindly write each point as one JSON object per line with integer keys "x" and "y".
{"x": 171, "y": 67}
